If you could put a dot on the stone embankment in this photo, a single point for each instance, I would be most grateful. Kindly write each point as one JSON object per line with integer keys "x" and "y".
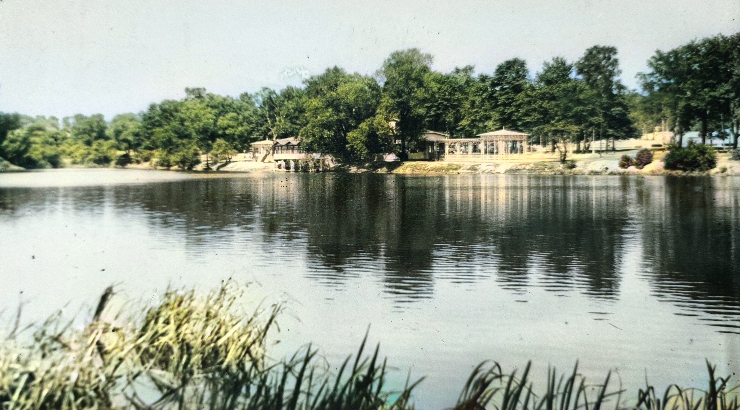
{"x": 579, "y": 164}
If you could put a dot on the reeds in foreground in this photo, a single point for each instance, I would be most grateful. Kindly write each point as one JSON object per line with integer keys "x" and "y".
{"x": 198, "y": 352}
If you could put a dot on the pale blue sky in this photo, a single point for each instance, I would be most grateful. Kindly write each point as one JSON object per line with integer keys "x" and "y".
{"x": 61, "y": 57}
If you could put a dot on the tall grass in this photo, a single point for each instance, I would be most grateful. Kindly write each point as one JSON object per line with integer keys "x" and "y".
{"x": 196, "y": 352}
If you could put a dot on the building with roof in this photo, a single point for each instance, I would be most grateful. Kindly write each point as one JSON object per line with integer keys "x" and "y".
{"x": 431, "y": 147}
{"x": 281, "y": 150}
{"x": 487, "y": 146}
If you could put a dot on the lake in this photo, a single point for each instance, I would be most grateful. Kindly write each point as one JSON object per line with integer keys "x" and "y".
{"x": 637, "y": 274}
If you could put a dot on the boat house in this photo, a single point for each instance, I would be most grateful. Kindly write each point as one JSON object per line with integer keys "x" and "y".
{"x": 284, "y": 149}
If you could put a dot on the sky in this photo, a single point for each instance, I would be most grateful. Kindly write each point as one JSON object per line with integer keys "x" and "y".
{"x": 62, "y": 57}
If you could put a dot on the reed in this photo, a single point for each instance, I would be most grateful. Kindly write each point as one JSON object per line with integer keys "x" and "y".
{"x": 194, "y": 352}
{"x": 490, "y": 388}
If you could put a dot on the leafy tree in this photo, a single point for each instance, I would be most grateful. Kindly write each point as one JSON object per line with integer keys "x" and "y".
{"x": 199, "y": 119}
{"x": 279, "y": 115}
{"x": 336, "y": 104}
{"x": 32, "y": 147}
{"x": 374, "y": 136}
{"x": 447, "y": 102}
{"x": 697, "y": 82}
{"x": 222, "y": 151}
{"x": 560, "y": 106}
{"x": 734, "y": 114}
{"x": 86, "y": 130}
{"x": 402, "y": 75}
{"x": 127, "y": 131}
{"x": 599, "y": 69}
{"x": 508, "y": 87}
{"x": 103, "y": 152}
{"x": 187, "y": 157}
{"x": 16, "y": 146}
{"x": 8, "y": 122}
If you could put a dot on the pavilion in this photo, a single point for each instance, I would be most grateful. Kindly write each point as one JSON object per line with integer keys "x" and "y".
{"x": 488, "y": 146}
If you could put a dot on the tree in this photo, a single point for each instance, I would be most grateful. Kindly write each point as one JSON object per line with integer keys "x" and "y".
{"x": 508, "y": 87}
{"x": 336, "y": 104}
{"x": 560, "y": 106}
{"x": 8, "y": 122}
{"x": 32, "y": 147}
{"x": 86, "y": 130}
{"x": 127, "y": 131}
{"x": 376, "y": 135}
{"x": 447, "y": 102}
{"x": 696, "y": 83}
{"x": 222, "y": 151}
{"x": 599, "y": 69}
{"x": 402, "y": 75}
{"x": 280, "y": 115}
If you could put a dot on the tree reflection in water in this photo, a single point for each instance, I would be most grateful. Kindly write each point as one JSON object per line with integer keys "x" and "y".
{"x": 559, "y": 233}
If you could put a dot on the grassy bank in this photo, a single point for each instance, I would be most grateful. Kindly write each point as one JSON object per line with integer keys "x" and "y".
{"x": 190, "y": 351}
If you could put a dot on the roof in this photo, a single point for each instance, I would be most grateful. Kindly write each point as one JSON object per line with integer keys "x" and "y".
{"x": 434, "y": 136}
{"x": 503, "y": 132}
{"x": 451, "y": 140}
{"x": 288, "y": 141}
{"x": 283, "y": 141}
{"x": 265, "y": 143}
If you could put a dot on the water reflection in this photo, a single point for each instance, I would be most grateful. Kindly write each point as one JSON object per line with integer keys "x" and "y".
{"x": 692, "y": 240}
{"x": 562, "y": 234}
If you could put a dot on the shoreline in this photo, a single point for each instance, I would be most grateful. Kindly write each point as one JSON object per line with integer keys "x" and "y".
{"x": 577, "y": 164}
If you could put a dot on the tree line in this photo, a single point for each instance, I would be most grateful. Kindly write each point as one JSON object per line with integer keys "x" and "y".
{"x": 355, "y": 117}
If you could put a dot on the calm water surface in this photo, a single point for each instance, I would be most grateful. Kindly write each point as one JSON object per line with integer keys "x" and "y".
{"x": 636, "y": 274}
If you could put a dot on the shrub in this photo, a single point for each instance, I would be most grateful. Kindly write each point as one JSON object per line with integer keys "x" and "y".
{"x": 143, "y": 156}
{"x": 643, "y": 157}
{"x": 735, "y": 154}
{"x": 163, "y": 159}
{"x": 222, "y": 151}
{"x": 626, "y": 161}
{"x": 693, "y": 157}
{"x": 123, "y": 159}
{"x": 77, "y": 152}
{"x": 187, "y": 158}
{"x": 103, "y": 152}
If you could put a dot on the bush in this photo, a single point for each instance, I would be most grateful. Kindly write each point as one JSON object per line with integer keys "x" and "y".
{"x": 693, "y": 157}
{"x": 103, "y": 152}
{"x": 187, "y": 158}
{"x": 222, "y": 151}
{"x": 143, "y": 156}
{"x": 643, "y": 157}
{"x": 626, "y": 161}
{"x": 735, "y": 154}
{"x": 77, "y": 152}
{"x": 123, "y": 159}
{"x": 163, "y": 159}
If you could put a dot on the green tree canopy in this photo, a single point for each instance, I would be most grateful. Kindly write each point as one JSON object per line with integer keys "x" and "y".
{"x": 86, "y": 130}
{"x": 696, "y": 83}
{"x": 336, "y": 104}
{"x": 599, "y": 69}
{"x": 402, "y": 75}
